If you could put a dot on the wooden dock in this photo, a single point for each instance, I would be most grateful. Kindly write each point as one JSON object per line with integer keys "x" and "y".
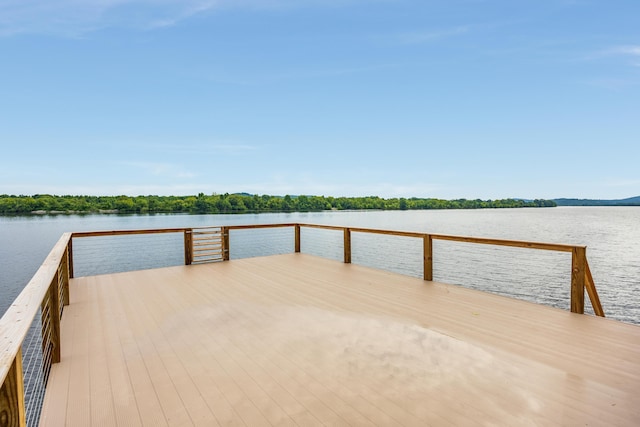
{"x": 300, "y": 340}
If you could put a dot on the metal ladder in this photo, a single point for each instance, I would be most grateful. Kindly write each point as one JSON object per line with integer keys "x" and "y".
{"x": 207, "y": 245}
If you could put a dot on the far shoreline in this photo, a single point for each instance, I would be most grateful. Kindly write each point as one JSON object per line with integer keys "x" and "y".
{"x": 46, "y": 204}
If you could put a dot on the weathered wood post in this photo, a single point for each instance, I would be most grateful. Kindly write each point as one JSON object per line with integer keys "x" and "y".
{"x": 188, "y": 246}
{"x": 578, "y": 274}
{"x": 12, "y": 409}
{"x": 225, "y": 243}
{"x": 427, "y": 257}
{"x": 347, "y": 246}
{"x": 54, "y": 318}
{"x": 70, "y": 251}
{"x": 66, "y": 275}
{"x": 297, "y": 238}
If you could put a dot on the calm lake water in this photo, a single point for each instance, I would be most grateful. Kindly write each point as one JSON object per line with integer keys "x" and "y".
{"x": 612, "y": 235}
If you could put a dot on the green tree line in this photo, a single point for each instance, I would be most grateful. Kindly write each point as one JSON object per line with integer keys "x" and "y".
{"x": 236, "y": 203}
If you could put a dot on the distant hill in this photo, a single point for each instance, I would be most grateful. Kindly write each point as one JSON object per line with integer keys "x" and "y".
{"x": 631, "y": 201}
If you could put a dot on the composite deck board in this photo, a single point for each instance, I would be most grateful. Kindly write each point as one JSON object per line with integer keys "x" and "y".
{"x": 300, "y": 340}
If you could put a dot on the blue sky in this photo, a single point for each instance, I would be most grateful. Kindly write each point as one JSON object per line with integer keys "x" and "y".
{"x": 396, "y": 98}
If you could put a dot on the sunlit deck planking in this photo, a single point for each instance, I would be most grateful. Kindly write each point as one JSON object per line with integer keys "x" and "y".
{"x": 300, "y": 340}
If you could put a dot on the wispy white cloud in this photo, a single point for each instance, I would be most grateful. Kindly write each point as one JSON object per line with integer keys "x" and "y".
{"x": 143, "y": 189}
{"x": 616, "y": 84}
{"x": 346, "y": 70}
{"x": 214, "y": 148}
{"x": 623, "y": 55}
{"x": 233, "y": 148}
{"x": 160, "y": 169}
{"x": 429, "y": 36}
{"x": 623, "y": 51}
{"x": 106, "y": 189}
{"x": 630, "y": 51}
{"x": 310, "y": 184}
{"x": 320, "y": 72}
{"x": 74, "y": 18}
{"x": 182, "y": 14}
{"x": 250, "y": 78}
{"x": 293, "y": 184}
{"x": 625, "y": 183}
{"x": 626, "y": 50}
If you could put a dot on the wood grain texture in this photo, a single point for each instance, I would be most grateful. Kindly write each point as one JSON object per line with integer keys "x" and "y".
{"x": 347, "y": 245}
{"x": 578, "y": 276}
{"x": 296, "y": 245}
{"x": 300, "y": 340}
{"x": 54, "y": 312}
{"x": 427, "y": 258}
{"x": 65, "y": 271}
{"x": 12, "y": 396}
{"x": 188, "y": 247}
{"x": 16, "y": 321}
{"x": 101, "y": 233}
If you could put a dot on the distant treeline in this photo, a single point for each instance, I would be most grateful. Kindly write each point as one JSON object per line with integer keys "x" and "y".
{"x": 631, "y": 201}
{"x": 236, "y": 203}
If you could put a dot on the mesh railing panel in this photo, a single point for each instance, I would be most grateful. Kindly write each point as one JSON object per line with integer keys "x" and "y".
{"x": 532, "y": 275}
{"x": 36, "y": 369}
{"x": 322, "y": 242}
{"x": 393, "y": 253}
{"x": 114, "y": 254}
{"x": 247, "y": 243}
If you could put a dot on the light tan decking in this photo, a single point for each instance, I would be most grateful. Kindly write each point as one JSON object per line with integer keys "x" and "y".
{"x": 300, "y": 340}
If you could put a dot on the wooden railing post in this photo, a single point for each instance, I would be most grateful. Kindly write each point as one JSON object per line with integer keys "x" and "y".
{"x": 70, "y": 250}
{"x": 66, "y": 275}
{"x": 225, "y": 243}
{"x": 578, "y": 274}
{"x": 54, "y": 313}
{"x": 188, "y": 246}
{"x": 12, "y": 409}
{"x": 427, "y": 257}
{"x": 347, "y": 246}
{"x": 297, "y": 238}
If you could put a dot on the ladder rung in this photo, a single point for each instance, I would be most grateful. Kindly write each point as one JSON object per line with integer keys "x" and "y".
{"x": 204, "y": 254}
{"x": 207, "y": 260}
{"x": 214, "y": 243}
{"x": 205, "y": 239}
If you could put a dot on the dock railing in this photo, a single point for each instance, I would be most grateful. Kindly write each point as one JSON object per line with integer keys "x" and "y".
{"x": 43, "y": 299}
{"x": 581, "y": 278}
{"x": 41, "y": 304}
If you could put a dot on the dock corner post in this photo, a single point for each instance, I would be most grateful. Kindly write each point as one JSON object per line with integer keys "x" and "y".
{"x": 427, "y": 256}
{"x": 578, "y": 273}
{"x": 347, "y": 246}
{"x": 12, "y": 406}
{"x": 297, "y": 238}
{"x": 225, "y": 243}
{"x": 188, "y": 246}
